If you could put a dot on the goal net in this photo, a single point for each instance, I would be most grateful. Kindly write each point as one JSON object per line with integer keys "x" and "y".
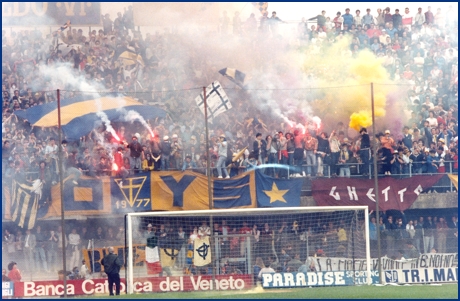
{"x": 175, "y": 250}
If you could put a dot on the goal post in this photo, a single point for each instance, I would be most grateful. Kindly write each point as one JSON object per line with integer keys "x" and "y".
{"x": 168, "y": 244}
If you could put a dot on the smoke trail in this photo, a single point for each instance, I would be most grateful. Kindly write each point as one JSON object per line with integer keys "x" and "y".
{"x": 54, "y": 75}
{"x": 131, "y": 116}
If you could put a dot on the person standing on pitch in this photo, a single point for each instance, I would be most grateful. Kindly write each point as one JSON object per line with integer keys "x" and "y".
{"x": 112, "y": 265}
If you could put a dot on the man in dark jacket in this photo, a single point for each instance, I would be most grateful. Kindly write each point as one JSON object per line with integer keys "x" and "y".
{"x": 112, "y": 265}
{"x": 397, "y": 19}
{"x": 136, "y": 153}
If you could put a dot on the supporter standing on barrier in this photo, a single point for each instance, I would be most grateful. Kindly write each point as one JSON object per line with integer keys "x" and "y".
{"x": 283, "y": 155}
{"x": 387, "y": 151}
{"x": 365, "y": 151}
{"x": 298, "y": 154}
{"x": 165, "y": 153}
{"x": 322, "y": 154}
{"x": 222, "y": 145}
{"x": 344, "y": 159}
{"x": 112, "y": 265}
{"x": 311, "y": 147}
{"x": 334, "y": 145}
{"x": 136, "y": 153}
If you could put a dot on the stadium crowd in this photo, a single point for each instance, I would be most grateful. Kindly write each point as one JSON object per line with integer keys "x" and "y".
{"x": 419, "y": 49}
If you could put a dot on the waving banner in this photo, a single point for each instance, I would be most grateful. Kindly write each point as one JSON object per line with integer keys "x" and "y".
{"x": 397, "y": 194}
{"x": 216, "y": 99}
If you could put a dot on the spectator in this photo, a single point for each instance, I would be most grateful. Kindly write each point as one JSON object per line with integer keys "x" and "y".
{"x": 428, "y": 234}
{"x": 14, "y": 274}
{"x": 74, "y": 248}
{"x": 40, "y": 255}
{"x": 136, "y": 153}
{"x": 345, "y": 159}
{"x": 442, "y": 230}
{"x": 222, "y": 146}
{"x": 5, "y": 277}
{"x": 52, "y": 243}
{"x": 266, "y": 269}
{"x": 321, "y": 20}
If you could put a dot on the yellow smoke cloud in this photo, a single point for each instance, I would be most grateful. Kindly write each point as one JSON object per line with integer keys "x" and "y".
{"x": 346, "y": 78}
{"x": 360, "y": 119}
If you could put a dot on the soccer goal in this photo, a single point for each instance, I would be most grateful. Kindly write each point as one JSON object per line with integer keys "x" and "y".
{"x": 226, "y": 249}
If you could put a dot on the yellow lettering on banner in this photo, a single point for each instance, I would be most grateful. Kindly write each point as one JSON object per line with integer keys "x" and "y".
{"x": 69, "y": 8}
{"x": 17, "y": 13}
{"x": 82, "y": 8}
{"x": 41, "y": 12}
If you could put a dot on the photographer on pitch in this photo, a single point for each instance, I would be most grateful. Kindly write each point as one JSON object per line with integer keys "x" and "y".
{"x": 112, "y": 265}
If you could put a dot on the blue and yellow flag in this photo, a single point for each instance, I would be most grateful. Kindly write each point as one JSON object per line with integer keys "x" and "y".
{"x": 261, "y": 6}
{"x": 180, "y": 190}
{"x": 234, "y": 75}
{"x": 234, "y": 193}
{"x": 24, "y": 205}
{"x": 90, "y": 197}
{"x": 81, "y": 114}
{"x": 133, "y": 196}
{"x": 273, "y": 192}
{"x": 188, "y": 190}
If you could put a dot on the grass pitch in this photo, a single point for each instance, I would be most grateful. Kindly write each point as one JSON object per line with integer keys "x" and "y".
{"x": 445, "y": 291}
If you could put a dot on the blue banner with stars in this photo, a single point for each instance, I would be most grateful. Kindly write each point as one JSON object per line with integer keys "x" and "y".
{"x": 273, "y": 192}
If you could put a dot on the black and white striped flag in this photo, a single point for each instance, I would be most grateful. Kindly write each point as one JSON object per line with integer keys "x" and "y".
{"x": 216, "y": 99}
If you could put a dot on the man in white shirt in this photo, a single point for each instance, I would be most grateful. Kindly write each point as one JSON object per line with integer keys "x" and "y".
{"x": 419, "y": 18}
{"x": 357, "y": 20}
{"x": 74, "y": 246}
{"x": 407, "y": 18}
{"x": 204, "y": 230}
{"x": 265, "y": 270}
{"x": 84, "y": 271}
{"x": 51, "y": 149}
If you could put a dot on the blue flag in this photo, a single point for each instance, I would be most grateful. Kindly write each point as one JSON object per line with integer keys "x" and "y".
{"x": 232, "y": 193}
{"x": 273, "y": 192}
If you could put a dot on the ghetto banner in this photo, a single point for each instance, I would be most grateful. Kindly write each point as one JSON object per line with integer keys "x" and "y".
{"x": 397, "y": 194}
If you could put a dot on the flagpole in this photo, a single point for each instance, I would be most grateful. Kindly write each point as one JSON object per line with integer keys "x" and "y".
{"x": 61, "y": 184}
{"x": 376, "y": 185}
{"x": 208, "y": 172}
